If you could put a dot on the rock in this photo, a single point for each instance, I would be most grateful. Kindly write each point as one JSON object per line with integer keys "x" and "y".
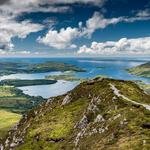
{"x": 55, "y": 140}
{"x": 66, "y": 100}
{"x": 99, "y": 118}
{"x": 146, "y": 125}
{"x": 117, "y": 116}
{"x": 1, "y": 147}
{"x": 79, "y": 136}
{"x": 90, "y": 82}
{"x": 83, "y": 122}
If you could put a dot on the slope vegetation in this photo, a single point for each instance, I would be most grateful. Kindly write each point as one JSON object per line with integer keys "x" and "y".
{"x": 100, "y": 114}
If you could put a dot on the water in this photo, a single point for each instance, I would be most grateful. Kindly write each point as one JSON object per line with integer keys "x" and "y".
{"x": 59, "y": 88}
{"x": 111, "y": 67}
{"x": 29, "y": 76}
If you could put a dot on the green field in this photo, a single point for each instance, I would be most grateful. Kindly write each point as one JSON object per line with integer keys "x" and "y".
{"x": 13, "y": 103}
{"x": 7, "y": 120}
{"x": 14, "y": 100}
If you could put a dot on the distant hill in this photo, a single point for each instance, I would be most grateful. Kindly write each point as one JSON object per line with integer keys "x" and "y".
{"x": 100, "y": 114}
{"x": 7, "y": 68}
{"x": 141, "y": 70}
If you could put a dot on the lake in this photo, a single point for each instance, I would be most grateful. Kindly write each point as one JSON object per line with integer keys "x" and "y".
{"x": 111, "y": 67}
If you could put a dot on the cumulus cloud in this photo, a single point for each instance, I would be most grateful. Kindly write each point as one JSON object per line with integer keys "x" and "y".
{"x": 64, "y": 38}
{"x": 123, "y": 46}
{"x": 17, "y": 7}
{"x": 11, "y": 9}
{"x": 143, "y": 13}
{"x": 10, "y": 28}
{"x": 60, "y": 40}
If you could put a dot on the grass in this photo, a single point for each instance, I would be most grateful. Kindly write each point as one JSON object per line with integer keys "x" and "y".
{"x": 7, "y": 120}
{"x": 13, "y": 103}
{"x": 6, "y": 91}
{"x": 55, "y": 124}
{"x": 142, "y": 85}
{"x": 133, "y": 92}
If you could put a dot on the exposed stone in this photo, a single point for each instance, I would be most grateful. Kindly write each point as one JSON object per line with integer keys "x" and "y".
{"x": 92, "y": 108}
{"x": 66, "y": 100}
{"x": 144, "y": 142}
{"x": 99, "y": 118}
{"x": 1, "y": 147}
{"x": 48, "y": 101}
{"x": 124, "y": 122}
{"x": 79, "y": 136}
{"x": 83, "y": 122}
{"x": 90, "y": 82}
{"x": 55, "y": 140}
{"x": 146, "y": 125}
{"x": 117, "y": 116}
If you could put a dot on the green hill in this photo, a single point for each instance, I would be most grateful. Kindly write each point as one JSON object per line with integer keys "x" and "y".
{"x": 100, "y": 114}
{"x": 141, "y": 70}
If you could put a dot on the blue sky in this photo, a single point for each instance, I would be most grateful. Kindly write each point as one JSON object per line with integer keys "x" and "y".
{"x": 74, "y": 27}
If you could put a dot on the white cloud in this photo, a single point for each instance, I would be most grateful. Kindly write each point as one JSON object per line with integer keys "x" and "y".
{"x": 123, "y": 46}
{"x": 60, "y": 40}
{"x": 10, "y": 28}
{"x": 97, "y": 21}
{"x": 143, "y": 13}
{"x": 17, "y": 7}
{"x": 11, "y": 9}
{"x": 64, "y": 38}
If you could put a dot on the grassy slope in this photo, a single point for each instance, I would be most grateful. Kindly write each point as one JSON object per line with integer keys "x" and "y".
{"x": 12, "y": 104}
{"x": 142, "y": 70}
{"x": 52, "y": 126}
{"x": 7, "y": 120}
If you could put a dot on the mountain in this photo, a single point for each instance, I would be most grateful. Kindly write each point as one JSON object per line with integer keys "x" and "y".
{"x": 141, "y": 70}
{"x": 99, "y": 114}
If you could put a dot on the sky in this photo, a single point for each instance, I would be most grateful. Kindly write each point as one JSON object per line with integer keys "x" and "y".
{"x": 74, "y": 28}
